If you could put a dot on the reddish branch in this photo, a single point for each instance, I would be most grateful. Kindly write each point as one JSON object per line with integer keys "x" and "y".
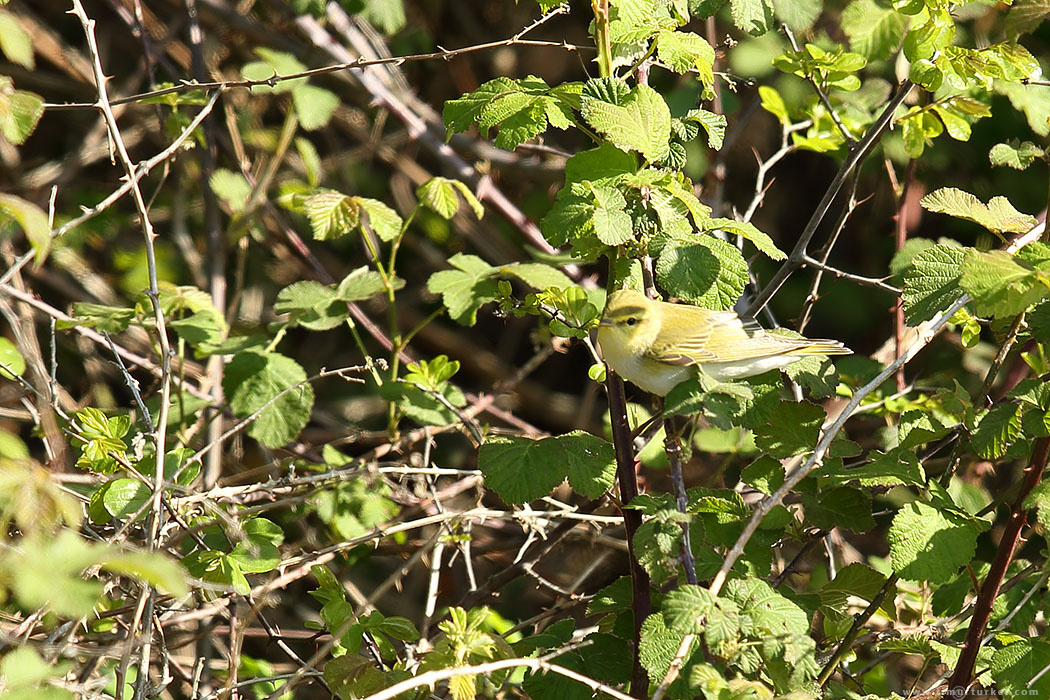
{"x": 963, "y": 674}
{"x": 632, "y": 520}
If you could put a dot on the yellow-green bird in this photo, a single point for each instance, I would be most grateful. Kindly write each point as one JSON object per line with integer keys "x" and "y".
{"x": 656, "y": 344}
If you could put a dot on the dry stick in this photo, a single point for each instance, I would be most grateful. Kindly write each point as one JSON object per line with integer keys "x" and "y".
{"x": 153, "y": 292}
{"x": 902, "y": 236}
{"x": 95, "y": 336}
{"x": 418, "y": 129}
{"x": 432, "y": 678}
{"x": 963, "y": 674}
{"x": 215, "y": 241}
{"x": 673, "y": 448}
{"x": 857, "y": 153}
{"x": 142, "y": 169}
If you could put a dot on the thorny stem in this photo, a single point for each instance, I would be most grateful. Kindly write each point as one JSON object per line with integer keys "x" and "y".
{"x": 853, "y": 159}
{"x": 963, "y": 673}
{"x": 601, "y": 37}
{"x": 901, "y": 238}
{"x": 632, "y": 520}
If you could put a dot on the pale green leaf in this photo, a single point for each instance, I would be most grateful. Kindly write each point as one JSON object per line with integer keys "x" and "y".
{"x": 642, "y": 122}
{"x": 253, "y": 379}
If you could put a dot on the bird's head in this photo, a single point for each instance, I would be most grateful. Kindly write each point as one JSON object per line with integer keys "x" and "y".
{"x": 630, "y": 321}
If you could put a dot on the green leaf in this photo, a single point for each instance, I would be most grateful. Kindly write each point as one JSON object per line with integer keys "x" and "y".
{"x": 918, "y": 427}
{"x": 898, "y": 466}
{"x": 998, "y": 216}
{"x": 932, "y": 283}
{"x": 612, "y": 224}
{"x": 154, "y": 568}
{"x": 465, "y": 289}
{"x": 108, "y": 319}
{"x": 1039, "y": 499}
{"x": 257, "y": 552}
{"x": 748, "y": 231}
{"x": 12, "y": 364}
{"x": 798, "y": 15}
{"x": 438, "y": 194}
{"x": 752, "y": 16}
{"x": 273, "y": 63}
{"x": 793, "y": 429}
{"x": 15, "y": 41}
{"x": 844, "y": 507}
{"x": 331, "y": 215}
{"x": 714, "y": 124}
{"x": 765, "y": 474}
{"x": 773, "y": 103}
{"x": 521, "y": 470}
{"x": 930, "y": 544}
{"x": 605, "y": 161}
{"x": 20, "y": 112}
{"x": 123, "y": 498}
{"x": 685, "y": 608}
{"x": 998, "y": 429}
{"x": 311, "y": 304}
{"x": 231, "y": 188}
{"x": 1001, "y": 284}
{"x": 31, "y": 219}
{"x": 1025, "y": 16}
{"x": 1015, "y": 154}
{"x": 855, "y": 579}
{"x": 1015, "y": 667}
{"x": 384, "y": 221}
{"x": 254, "y": 378}
{"x": 684, "y": 51}
{"x": 658, "y": 645}
{"x": 362, "y": 284}
{"x": 707, "y": 271}
{"x": 641, "y": 122}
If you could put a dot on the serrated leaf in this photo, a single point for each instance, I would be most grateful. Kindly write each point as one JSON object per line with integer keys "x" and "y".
{"x": 707, "y": 271}
{"x": 15, "y": 42}
{"x": 898, "y": 466}
{"x": 598, "y": 163}
{"x": 855, "y": 579}
{"x": 254, "y": 378}
{"x": 439, "y": 195}
{"x": 752, "y": 16}
{"x": 998, "y": 216}
{"x": 20, "y": 112}
{"x": 521, "y": 469}
{"x": 929, "y": 544}
{"x": 311, "y": 305}
{"x": 999, "y": 428}
{"x": 714, "y": 124}
{"x": 874, "y": 31}
{"x": 932, "y": 283}
{"x": 684, "y": 51}
{"x": 1015, "y": 154}
{"x": 642, "y": 122}
{"x": 466, "y": 289}
{"x": 748, "y": 231}
{"x": 1001, "y": 284}
{"x": 1019, "y": 668}
{"x": 793, "y": 429}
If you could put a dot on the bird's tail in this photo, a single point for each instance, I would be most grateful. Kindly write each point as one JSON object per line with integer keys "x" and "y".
{"x": 821, "y": 347}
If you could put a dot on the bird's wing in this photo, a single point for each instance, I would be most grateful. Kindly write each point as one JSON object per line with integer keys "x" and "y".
{"x": 683, "y": 337}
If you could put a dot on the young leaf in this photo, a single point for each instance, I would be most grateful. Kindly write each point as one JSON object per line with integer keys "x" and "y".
{"x": 465, "y": 289}
{"x": 932, "y": 283}
{"x": 998, "y": 216}
{"x": 641, "y": 122}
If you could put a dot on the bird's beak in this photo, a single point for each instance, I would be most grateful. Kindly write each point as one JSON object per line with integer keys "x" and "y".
{"x": 605, "y": 322}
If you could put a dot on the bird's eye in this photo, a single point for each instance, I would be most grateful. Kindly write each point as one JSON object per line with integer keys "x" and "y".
{"x": 631, "y": 321}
